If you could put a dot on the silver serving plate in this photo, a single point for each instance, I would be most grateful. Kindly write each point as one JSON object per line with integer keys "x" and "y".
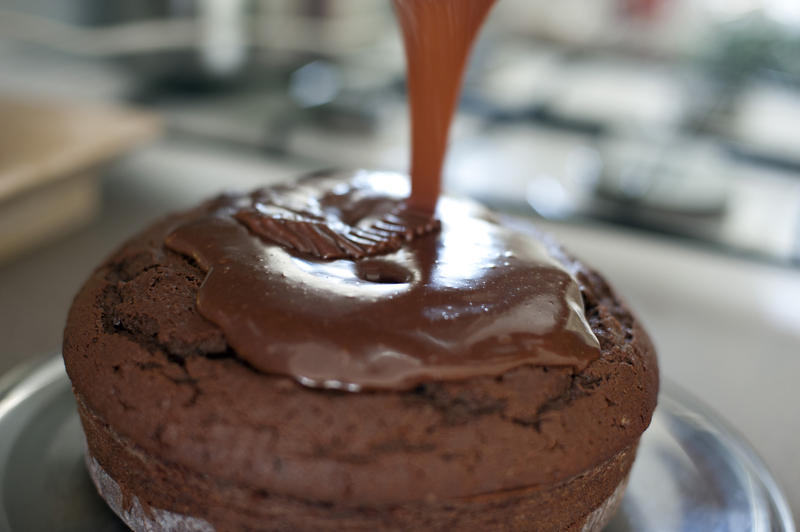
{"x": 692, "y": 474}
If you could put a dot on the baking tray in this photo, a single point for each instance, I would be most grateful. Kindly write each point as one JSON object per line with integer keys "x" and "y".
{"x": 692, "y": 474}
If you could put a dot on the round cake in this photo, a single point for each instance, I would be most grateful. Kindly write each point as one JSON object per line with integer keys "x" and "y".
{"x": 318, "y": 356}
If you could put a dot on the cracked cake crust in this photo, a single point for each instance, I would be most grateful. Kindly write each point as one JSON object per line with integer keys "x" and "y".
{"x": 149, "y": 369}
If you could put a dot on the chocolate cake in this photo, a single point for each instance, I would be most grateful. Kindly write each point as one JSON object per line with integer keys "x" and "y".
{"x": 318, "y": 356}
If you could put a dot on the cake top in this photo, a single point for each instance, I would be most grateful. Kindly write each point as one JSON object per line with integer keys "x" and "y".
{"x": 334, "y": 283}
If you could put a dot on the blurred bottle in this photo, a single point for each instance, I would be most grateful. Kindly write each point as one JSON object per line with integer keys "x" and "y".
{"x": 644, "y": 10}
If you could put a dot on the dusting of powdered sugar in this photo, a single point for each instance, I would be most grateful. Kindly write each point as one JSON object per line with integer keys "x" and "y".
{"x": 135, "y": 515}
{"x": 603, "y": 514}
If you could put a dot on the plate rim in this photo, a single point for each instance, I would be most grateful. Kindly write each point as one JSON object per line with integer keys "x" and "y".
{"x": 687, "y": 400}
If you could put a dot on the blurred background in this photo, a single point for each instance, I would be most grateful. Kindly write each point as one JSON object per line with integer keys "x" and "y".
{"x": 659, "y": 139}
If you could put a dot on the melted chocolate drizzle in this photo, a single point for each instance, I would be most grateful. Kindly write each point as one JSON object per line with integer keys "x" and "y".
{"x": 438, "y": 36}
{"x": 474, "y": 298}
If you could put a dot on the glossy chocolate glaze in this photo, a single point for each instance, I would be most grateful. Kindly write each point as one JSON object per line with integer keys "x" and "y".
{"x": 473, "y": 298}
{"x": 354, "y": 284}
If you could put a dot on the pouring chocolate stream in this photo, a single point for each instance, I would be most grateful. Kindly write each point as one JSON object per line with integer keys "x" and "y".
{"x": 438, "y": 37}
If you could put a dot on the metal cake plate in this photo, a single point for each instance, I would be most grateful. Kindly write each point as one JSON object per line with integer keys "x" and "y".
{"x": 692, "y": 474}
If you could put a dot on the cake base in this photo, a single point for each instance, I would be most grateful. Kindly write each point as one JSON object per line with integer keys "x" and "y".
{"x": 140, "y": 519}
{"x": 134, "y": 514}
{"x": 150, "y": 495}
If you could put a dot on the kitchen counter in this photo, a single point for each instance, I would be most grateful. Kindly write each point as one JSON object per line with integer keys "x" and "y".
{"x": 727, "y": 330}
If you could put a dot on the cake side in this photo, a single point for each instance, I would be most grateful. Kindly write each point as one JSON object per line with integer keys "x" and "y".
{"x": 583, "y": 503}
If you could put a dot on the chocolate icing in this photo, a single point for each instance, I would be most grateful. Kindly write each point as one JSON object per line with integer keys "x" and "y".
{"x": 475, "y": 298}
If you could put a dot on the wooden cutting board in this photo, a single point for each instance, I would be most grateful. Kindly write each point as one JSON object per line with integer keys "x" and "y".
{"x": 49, "y": 154}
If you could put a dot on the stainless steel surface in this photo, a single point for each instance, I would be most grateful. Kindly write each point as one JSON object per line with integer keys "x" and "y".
{"x": 692, "y": 473}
